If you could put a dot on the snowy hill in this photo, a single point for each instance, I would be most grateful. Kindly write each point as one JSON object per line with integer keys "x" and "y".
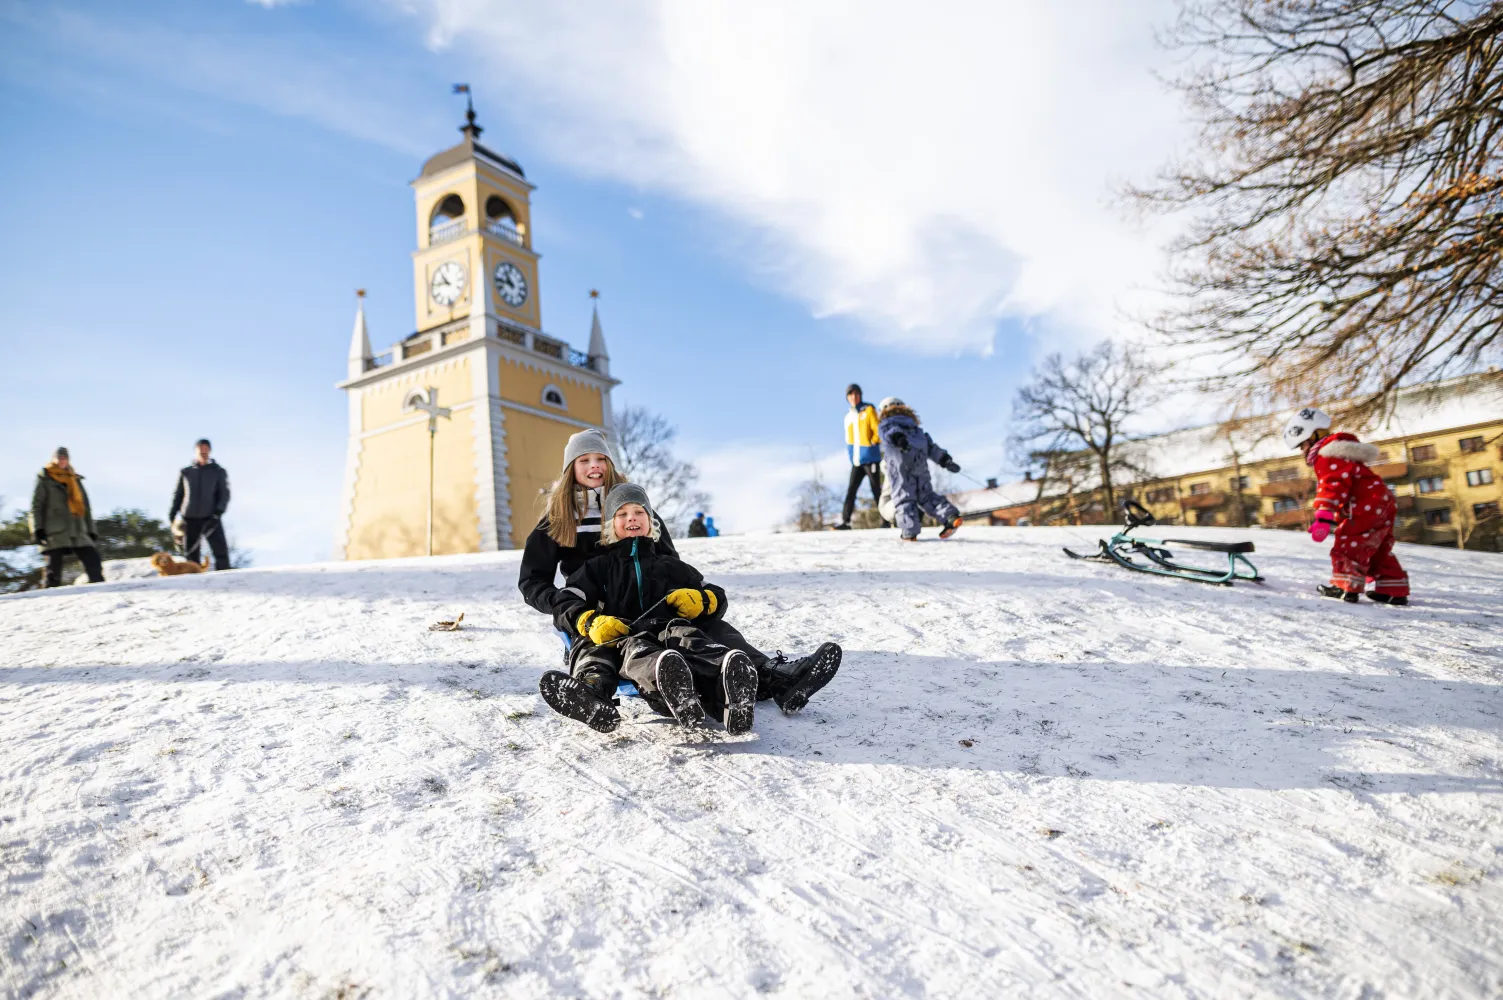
{"x": 1032, "y": 777}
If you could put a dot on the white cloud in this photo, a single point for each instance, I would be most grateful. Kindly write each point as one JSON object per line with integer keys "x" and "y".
{"x": 924, "y": 168}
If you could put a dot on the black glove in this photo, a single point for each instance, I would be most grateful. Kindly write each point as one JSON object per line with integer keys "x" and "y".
{"x": 41, "y": 538}
{"x": 951, "y": 464}
{"x": 899, "y": 440}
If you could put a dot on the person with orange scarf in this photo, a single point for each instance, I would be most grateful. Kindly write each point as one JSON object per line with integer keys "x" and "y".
{"x": 61, "y": 520}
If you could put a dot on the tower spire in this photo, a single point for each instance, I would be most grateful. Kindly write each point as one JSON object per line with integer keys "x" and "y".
{"x": 360, "y": 341}
{"x": 600, "y": 358}
{"x": 469, "y": 128}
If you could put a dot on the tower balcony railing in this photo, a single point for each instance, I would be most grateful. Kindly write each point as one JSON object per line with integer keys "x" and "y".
{"x": 509, "y": 233}
{"x": 443, "y": 232}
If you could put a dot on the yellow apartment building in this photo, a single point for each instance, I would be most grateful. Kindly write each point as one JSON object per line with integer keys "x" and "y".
{"x": 1442, "y": 454}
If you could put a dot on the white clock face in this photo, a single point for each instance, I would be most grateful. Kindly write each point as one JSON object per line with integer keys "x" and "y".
{"x": 511, "y": 284}
{"x": 448, "y": 283}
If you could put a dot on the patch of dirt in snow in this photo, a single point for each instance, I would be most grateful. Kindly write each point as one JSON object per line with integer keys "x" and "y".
{"x": 1032, "y": 776}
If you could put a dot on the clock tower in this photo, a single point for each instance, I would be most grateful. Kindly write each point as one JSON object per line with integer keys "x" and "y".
{"x": 514, "y": 394}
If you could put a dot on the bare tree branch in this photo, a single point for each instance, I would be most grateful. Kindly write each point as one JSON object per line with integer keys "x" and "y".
{"x": 1347, "y": 203}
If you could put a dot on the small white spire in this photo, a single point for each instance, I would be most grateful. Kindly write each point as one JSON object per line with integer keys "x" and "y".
{"x": 360, "y": 341}
{"x": 600, "y": 357}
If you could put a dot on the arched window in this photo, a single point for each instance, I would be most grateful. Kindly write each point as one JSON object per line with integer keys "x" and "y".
{"x": 554, "y": 396}
{"x": 447, "y": 221}
{"x": 501, "y": 220}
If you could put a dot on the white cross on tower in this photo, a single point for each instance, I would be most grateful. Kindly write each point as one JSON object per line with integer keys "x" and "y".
{"x": 429, "y": 405}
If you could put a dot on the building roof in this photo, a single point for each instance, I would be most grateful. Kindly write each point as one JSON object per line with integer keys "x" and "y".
{"x": 469, "y": 149}
{"x": 1424, "y": 409}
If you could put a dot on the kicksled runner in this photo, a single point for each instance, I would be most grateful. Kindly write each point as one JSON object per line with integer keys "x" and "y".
{"x": 1159, "y": 559}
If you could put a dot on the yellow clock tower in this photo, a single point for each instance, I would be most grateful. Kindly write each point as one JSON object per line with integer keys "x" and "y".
{"x": 513, "y": 394}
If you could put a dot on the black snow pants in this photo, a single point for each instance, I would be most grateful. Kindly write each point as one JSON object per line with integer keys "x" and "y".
{"x": 873, "y": 474}
{"x": 193, "y": 531}
{"x": 770, "y": 680}
{"x": 635, "y": 658}
{"x": 88, "y": 555}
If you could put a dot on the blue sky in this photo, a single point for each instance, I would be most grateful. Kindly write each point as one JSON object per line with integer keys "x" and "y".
{"x": 193, "y": 191}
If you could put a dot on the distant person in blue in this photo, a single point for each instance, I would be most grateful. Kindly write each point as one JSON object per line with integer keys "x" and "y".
{"x": 907, "y": 450}
{"x": 710, "y": 528}
{"x": 698, "y": 528}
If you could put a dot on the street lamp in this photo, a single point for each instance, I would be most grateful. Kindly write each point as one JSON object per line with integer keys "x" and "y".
{"x": 429, "y": 405}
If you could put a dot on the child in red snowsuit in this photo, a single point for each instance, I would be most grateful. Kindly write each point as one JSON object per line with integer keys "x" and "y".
{"x": 1356, "y": 508}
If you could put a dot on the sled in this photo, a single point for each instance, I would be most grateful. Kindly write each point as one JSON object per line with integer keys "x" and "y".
{"x": 1124, "y": 546}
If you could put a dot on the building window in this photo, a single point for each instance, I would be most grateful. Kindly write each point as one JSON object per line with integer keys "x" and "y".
{"x": 1382, "y": 456}
{"x": 1164, "y": 494}
{"x": 553, "y": 396}
{"x": 1430, "y": 484}
{"x": 1283, "y": 475}
{"x": 1199, "y": 489}
{"x": 1422, "y": 453}
{"x": 1471, "y": 444}
{"x": 1479, "y": 477}
{"x": 1285, "y": 503}
{"x": 1484, "y": 511}
{"x": 1241, "y": 482}
{"x": 1439, "y": 516}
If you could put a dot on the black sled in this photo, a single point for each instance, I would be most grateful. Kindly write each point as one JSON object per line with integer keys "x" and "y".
{"x": 1123, "y": 547}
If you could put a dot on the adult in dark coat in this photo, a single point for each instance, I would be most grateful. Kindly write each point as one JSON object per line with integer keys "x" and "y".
{"x": 200, "y": 500}
{"x": 62, "y": 521}
{"x": 697, "y": 527}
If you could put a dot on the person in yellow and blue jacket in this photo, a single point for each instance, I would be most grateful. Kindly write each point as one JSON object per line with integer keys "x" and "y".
{"x": 864, "y": 446}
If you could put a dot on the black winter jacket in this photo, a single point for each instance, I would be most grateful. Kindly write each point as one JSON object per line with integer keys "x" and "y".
{"x": 542, "y": 558}
{"x": 202, "y": 491}
{"x": 626, "y": 579}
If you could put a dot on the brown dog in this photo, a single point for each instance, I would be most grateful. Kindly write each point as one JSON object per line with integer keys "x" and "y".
{"x": 168, "y": 566}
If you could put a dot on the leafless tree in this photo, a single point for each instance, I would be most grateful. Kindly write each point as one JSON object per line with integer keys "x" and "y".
{"x": 815, "y": 505}
{"x": 1086, "y": 404}
{"x": 1240, "y": 436}
{"x": 644, "y": 446}
{"x": 1346, "y": 202}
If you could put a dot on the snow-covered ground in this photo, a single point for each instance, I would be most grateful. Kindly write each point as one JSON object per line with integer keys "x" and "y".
{"x": 1032, "y": 777}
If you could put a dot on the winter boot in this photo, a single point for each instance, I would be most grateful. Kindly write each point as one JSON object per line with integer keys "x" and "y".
{"x": 841, "y": 527}
{"x": 676, "y": 688}
{"x": 808, "y": 674}
{"x": 1389, "y": 599}
{"x": 579, "y": 701}
{"x": 905, "y": 538}
{"x": 1349, "y": 596}
{"x": 951, "y": 528}
{"x": 739, "y": 678}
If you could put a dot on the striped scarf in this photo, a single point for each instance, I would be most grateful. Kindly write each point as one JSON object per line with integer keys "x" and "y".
{"x": 589, "y": 523}
{"x": 69, "y": 478}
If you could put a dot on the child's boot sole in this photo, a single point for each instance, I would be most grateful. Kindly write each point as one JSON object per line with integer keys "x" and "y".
{"x": 676, "y": 688}
{"x": 826, "y": 664}
{"x": 739, "y": 678}
{"x": 572, "y": 699}
{"x": 951, "y": 528}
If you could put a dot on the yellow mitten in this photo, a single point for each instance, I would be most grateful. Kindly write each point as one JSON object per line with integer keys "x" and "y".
{"x": 691, "y": 603}
{"x": 601, "y": 628}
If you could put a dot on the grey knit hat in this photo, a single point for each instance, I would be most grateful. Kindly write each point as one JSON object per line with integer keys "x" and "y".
{"x": 588, "y": 442}
{"x": 60, "y": 453}
{"x": 622, "y": 494}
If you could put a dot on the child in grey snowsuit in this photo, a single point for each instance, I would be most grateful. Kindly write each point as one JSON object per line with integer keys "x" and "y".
{"x": 906, "y": 452}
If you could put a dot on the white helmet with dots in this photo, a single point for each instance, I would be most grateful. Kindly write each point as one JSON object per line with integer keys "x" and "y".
{"x": 1303, "y": 424}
